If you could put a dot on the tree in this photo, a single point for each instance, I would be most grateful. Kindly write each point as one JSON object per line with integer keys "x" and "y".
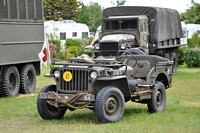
{"x": 192, "y": 15}
{"x": 56, "y": 9}
{"x": 90, "y": 15}
{"x": 194, "y": 41}
{"x": 119, "y": 2}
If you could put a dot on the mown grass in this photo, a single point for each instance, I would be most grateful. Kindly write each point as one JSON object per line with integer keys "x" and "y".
{"x": 182, "y": 113}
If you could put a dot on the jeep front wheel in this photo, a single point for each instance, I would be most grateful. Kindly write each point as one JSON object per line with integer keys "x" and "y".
{"x": 45, "y": 110}
{"x": 109, "y": 105}
{"x": 157, "y": 102}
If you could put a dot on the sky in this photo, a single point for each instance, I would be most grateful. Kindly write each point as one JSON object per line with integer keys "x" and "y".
{"x": 179, "y": 5}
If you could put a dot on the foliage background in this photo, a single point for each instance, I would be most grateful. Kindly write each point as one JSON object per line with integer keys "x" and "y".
{"x": 72, "y": 9}
{"x": 60, "y": 9}
{"x": 72, "y": 48}
{"x": 192, "y": 14}
{"x": 190, "y": 54}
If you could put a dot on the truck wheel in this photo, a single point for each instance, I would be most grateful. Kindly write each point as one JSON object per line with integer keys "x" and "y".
{"x": 167, "y": 56}
{"x": 157, "y": 102}
{"x": 109, "y": 105}
{"x": 11, "y": 82}
{"x": 174, "y": 58}
{"x": 47, "y": 111}
{"x": 28, "y": 79}
{"x": 1, "y": 87}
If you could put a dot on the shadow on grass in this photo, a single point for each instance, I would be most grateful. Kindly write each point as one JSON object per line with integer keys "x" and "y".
{"x": 87, "y": 116}
{"x": 80, "y": 116}
{"x": 135, "y": 111}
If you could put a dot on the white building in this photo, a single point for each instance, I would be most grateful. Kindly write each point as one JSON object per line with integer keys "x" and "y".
{"x": 193, "y": 28}
{"x": 184, "y": 30}
{"x": 66, "y": 29}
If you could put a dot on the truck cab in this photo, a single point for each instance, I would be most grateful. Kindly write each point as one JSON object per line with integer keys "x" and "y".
{"x": 121, "y": 33}
{"x": 134, "y": 25}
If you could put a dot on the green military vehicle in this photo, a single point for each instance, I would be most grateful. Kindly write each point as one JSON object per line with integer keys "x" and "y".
{"x": 105, "y": 84}
{"x": 117, "y": 74}
{"x": 21, "y": 39}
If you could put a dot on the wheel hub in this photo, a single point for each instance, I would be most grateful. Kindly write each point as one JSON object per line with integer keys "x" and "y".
{"x": 158, "y": 98}
{"x": 110, "y": 105}
{"x": 12, "y": 82}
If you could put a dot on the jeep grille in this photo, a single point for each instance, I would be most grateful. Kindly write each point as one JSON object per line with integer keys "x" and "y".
{"x": 79, "y": 82}
{"x": 108, "y": 49}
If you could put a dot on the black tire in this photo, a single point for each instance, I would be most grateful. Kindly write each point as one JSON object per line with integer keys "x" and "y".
{"x": 11, "y": 83}
{"x": 174, "y": 58}
{"x": 1, "y": 88}
{"x": 28, "y": 79}
{"x": 157, "y": 102}
{"x": 109, "y": 105}
{"x": 47, "y": 111}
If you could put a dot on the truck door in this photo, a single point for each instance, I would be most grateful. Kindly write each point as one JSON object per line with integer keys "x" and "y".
{"x": 143, "y": 28}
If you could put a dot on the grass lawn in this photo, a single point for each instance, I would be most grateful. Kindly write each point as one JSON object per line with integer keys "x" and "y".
{"x": 182, "y": 113}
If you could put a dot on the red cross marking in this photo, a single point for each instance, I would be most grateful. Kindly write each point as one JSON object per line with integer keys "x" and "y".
{"x": 45, "y": 55}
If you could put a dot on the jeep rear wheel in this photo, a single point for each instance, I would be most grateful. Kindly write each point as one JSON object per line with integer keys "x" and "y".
{"x": 109, "y": 105}
{"x": 157, "y": 102}
{"x": 47, "y": 111}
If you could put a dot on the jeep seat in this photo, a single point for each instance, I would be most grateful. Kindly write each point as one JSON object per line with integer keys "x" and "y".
{"x": 141, "y": 69}
{"x": 152, "y": 59}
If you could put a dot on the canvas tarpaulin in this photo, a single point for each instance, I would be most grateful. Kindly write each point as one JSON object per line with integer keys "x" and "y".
{"x": 166, "y": 25}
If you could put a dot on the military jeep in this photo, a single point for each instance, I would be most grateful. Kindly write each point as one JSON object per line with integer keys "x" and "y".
{"x": 104, "y": 84}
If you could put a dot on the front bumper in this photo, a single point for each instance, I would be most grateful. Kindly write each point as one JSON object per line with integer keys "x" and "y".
{"x": 85, "y": 97}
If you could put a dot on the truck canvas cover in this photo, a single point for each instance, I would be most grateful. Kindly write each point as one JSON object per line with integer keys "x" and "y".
{"x": 166, "y": 25}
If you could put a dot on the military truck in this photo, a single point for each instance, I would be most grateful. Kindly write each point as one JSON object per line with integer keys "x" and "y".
{"x": 21, "y": 39}
{"x": 157, "y": 31}
{"x": 104, "y": 84}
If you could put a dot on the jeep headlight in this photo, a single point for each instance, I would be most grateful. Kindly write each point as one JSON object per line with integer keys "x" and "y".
{"x": 109, "y": 71}
{"x": 123, "y": 46}
{"x": 56, "y": 74}
{"x": 96, "y": 47}
{"x": 93, "y": 75}
{"x": 113, "y": 72}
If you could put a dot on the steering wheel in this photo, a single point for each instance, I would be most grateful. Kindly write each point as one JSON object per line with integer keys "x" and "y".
{"x": 122, "y": 57}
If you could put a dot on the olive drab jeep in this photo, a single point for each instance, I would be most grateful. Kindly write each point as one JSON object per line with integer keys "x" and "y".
{"x": 104, "y": 84}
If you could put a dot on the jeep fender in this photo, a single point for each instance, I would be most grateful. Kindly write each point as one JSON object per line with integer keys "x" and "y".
{"x": 120, "y": 82}
{"x": 152, "y": 77}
